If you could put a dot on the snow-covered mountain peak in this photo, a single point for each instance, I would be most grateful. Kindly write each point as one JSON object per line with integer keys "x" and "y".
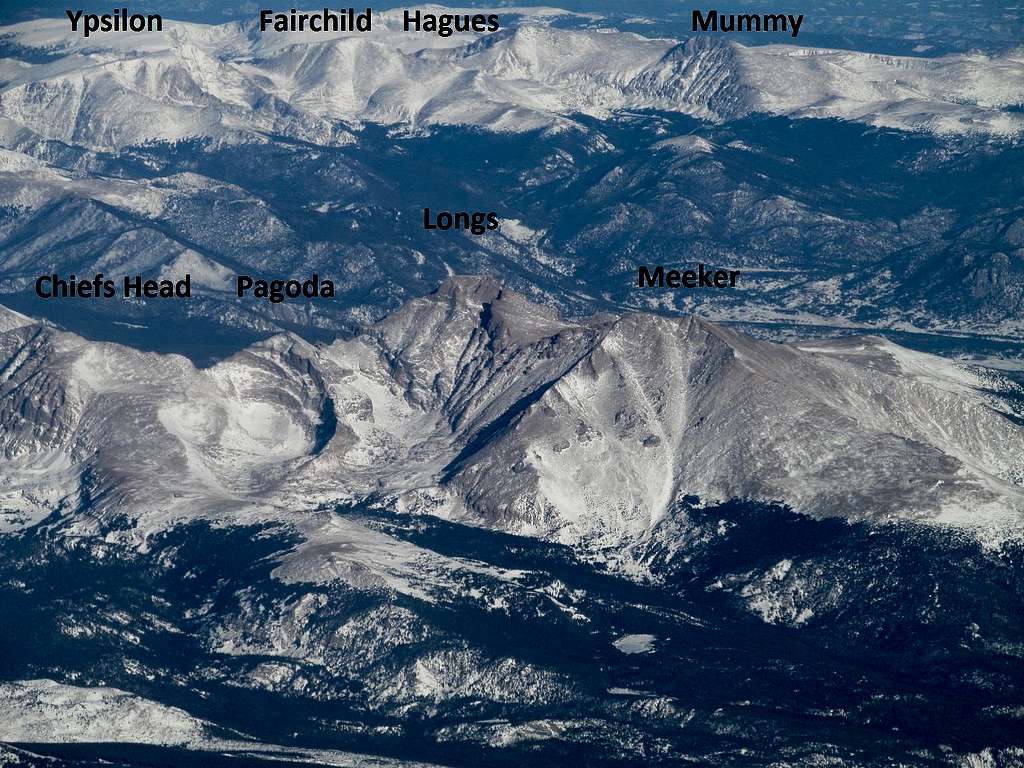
{"x": 462, "y": 307}
{"x": 476, "y": 402}
{"x": 468, "y": 289}
{"x": 9, "y": 319}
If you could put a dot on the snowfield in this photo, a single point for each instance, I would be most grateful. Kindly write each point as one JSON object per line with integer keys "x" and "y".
{"x": 47, "y": 712}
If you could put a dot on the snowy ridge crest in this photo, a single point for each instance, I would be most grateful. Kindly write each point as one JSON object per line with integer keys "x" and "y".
{"x": 231, "y": 83}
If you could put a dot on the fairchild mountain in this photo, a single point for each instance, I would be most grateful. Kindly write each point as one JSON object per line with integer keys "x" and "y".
{"x": 474, "y": 404}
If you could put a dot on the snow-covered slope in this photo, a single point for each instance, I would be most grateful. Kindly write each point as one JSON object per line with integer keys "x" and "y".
{"x": 663, "y": 407}
{"x": 231, "y": 81}
{"x": 472, "y": 402}
{"x": 46, "y": 711}
{"x": 43, "y": 711}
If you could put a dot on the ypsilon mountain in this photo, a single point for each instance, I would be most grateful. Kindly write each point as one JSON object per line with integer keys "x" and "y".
{"x": 474, "y": 404}
{"x": 117, "y": 90}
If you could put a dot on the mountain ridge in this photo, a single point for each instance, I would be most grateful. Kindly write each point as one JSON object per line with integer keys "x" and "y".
{"x": 474, "y": 403}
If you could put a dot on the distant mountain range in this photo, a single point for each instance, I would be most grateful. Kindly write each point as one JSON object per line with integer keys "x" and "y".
{"x": 192, "y": 81}
{"x": 943, "y": 26}
{"x": 217, "y": 151}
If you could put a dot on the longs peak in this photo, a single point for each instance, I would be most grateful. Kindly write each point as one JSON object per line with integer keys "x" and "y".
{"x": 476, "y": 402}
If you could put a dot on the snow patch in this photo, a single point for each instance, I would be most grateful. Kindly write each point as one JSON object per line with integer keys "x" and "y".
{"x": 633, "y": 644}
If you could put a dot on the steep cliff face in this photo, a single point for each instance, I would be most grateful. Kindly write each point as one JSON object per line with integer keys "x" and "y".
{"x": 664, "y": 407}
